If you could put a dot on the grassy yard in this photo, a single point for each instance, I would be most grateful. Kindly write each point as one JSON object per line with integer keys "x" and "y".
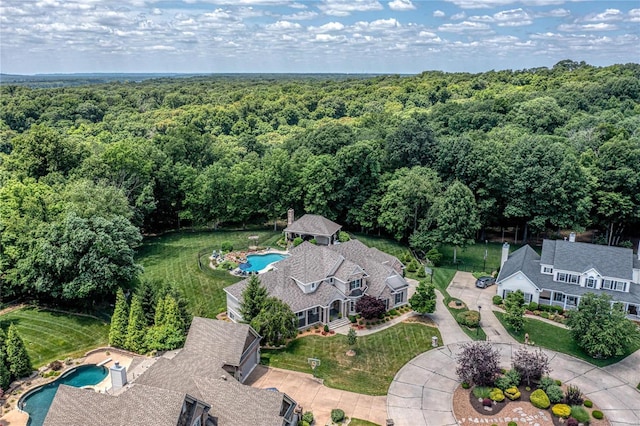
{"x": 384, "y": 244}
{"x": 173, "y": 258}
{"x": 360, "y": 422}
{"x": 557, "y": 339}
{"x": 51, "y": 335}
{"x": 378, "y": 358}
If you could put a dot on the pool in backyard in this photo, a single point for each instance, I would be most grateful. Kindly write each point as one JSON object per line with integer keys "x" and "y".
{"x": 36, "y": 402}
{"x": 258, "y": 262}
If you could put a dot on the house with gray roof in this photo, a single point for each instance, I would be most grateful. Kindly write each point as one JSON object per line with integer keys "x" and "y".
{"x": 312, "y": 226}
{"x": 200, "y": 386}
{"x": 566, "y": 270}
{"x": 321, "y": 284}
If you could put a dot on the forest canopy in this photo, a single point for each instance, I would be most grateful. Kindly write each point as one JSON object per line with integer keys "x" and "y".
{"x": 86, "y": 170}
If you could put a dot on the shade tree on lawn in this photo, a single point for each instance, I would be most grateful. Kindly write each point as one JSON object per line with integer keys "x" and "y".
{"x": 601, "y": 328}
{"x": 423, "y": 300}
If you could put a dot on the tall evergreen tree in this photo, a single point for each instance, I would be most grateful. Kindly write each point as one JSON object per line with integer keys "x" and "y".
{"x": 119, "y": 321}
{"x": 514, "y": 310}
{"x": 169, "y": 330}
{"x": 3, "y": 346}
{"x": 17, "y": 356}
{"x": 146, "y": 292}
{"x": 5, "y": 376}
{"x": 253, "y": 299}
{"x": 137, "y": 327}
{"x": 275, "y": 322}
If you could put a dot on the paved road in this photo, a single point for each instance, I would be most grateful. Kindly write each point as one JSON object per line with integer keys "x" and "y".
{"x": 422, "y": 391}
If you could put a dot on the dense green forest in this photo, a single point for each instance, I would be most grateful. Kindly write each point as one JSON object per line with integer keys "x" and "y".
{"x": 86, "y": 170}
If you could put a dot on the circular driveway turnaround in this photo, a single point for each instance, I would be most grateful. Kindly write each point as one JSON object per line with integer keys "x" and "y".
{"x": 422, "y": 392}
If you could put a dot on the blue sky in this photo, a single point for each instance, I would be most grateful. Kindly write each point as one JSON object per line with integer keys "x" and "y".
{"x": 338, "y": 36}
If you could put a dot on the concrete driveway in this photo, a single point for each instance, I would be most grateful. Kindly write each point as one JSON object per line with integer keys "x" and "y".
{"x": 313, "y": 396}
{"x": 463, "y": 287}
{"x": 422, "y": 391}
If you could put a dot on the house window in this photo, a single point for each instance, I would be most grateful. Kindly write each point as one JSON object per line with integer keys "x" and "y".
{"x": 528, "y": 297}
{"x": 386, "y": 304}
{"x": 547, "y": 270}
{"x": 572, "y": 300}
{"x": 313, "y": 285}
{"x": 614, "y": 285}
{"x": 558, "y": 297}
{"x": 301, "y": 314}
{"x": 355, "y": 284}
{"x": 399, "y": 298}
{"x": 568, "y": 278}
{"x": 591, "y": 282}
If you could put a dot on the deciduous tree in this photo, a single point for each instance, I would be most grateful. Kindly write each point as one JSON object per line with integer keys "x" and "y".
{"x": 478, "y": 363}
{"x": 531, "y": 365}
{"x": 601, "y": 329}
{"x": 275, "y": 322}
{"x": 423, "y": 300}
{"x": 370, "y": 307}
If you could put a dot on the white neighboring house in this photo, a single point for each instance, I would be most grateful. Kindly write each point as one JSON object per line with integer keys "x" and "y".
{"x": 321, "y": 284}
{"x": 567, "y": 270}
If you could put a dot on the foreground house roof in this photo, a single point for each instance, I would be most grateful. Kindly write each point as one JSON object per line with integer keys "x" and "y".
{"x": 196, "y": 374}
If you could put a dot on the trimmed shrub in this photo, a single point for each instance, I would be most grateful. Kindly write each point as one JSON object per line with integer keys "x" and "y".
{"x": 307, "y": 417}
{"x": 555, "y": 394}
{"x": 297, "y": 241}
{"x": 487, "y": 402}
{"x": 226, "y": 246}
{"x": 343, "y": 237}
{"x": 420, "y": 273}
{"x": 352, "y": 319}
{"x": 558, "y": 383}
{"x": 303, "y": 423}
{"x": 539, "y": 399}
{"x": 561, "y": 410}
{"x": 481, "y": 392}
{"x": 512, "y": 393}
{"x": 337, "y": 415}
{"x": 580, "y": 414}
{"x": 512, "y": 424}
{"x": 533, "y": 306}
{"x": 597, "y": 414}
{"x": 56, "y": 365}
{"x": 497, "y": 395}
{"x": 544, "y": 315}
{"x": 588, "y": 403}
{"x": 469, "y": 319}
{"x": 465, "y": 385}
{"x": 572, "y": 422}
{"x": 497, "y": 300}
{"x": 326, "y": 328}
{"x": 434, "y": 256}
{"x": 573, "y": 396}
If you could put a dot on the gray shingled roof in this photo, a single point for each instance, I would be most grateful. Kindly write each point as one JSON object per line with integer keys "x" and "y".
{"x": 580, "y": 257}
{"x": 196, "y": 371}
{"x": 321, "y": 260}
{"x": 313, "y": 224}
{"x": 138, "y": 406}
{"x": 527, "y": 261}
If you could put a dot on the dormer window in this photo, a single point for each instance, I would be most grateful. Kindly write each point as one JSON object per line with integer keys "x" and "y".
{"x": 547, "y": 270}
{"x": 568, "y": 278}
{"x": 355, "y": 284}
{"x": 590, "y": 282}
{"x": 313, "y": 286}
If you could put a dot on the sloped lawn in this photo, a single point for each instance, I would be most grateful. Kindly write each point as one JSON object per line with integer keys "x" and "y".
{"x": 378, "y": 357}
{"x": 173, "y": 258}
{"x": 51, "y": 335}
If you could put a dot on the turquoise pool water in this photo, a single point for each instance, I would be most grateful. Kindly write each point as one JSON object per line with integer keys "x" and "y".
{"x": 257, "y": 262}
{"x": 37, "y": 403}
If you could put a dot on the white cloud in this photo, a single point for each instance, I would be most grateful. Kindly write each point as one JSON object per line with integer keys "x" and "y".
{"x": 301, "y": 16}
{"x": 488, "y": 4}
{"x": 324, "y": 38}
{"x": 634, "y": 15}
{"x": 331, "y": 26}
{"x": 346, "y": 7}
{"x": 401, "y": 5}
{"x": 555, "y": 13}
{"x": 156, "y": 11}
{"x": 506, "y": 18}
{"x": 458, "y": 16}
{"x": 283, "y": 25}
{"x": 602, "y": 26}
{"x": 439, "y": 14}
{"x": 464, "y": 27}
{"x": 606, "y": 16}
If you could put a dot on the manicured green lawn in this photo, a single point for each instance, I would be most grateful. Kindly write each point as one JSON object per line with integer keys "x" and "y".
{"x": 557, "y": 339}
{"x": 471, "y": 258}
{"x": 51, "y": 335}
{"x": 360, "y": 422}
{"x": 384, "y": 244}
{"x": 378, "y": 357}
{"x": 173, "y": 258}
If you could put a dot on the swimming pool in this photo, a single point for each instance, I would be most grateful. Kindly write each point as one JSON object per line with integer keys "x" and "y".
{"x": 258, "y": 262}
{"x": 37, "y": 401}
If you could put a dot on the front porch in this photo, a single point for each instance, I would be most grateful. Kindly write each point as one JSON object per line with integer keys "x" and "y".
{"x": 570, "y": 301}
{"x": 333, "y": 315}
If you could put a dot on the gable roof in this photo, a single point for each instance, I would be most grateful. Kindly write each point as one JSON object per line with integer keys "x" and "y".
{"x": 609, "y": 261}
{"x": 524, "y": 260}
{"x": 156, "y": 397}
{"x": 313, "y": 224}
{"x": 140, "y": 406}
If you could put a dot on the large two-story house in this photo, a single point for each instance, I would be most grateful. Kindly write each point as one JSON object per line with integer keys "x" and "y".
{"x": 321, "y": 284}
{"x": 566, "y": 270}
{"x": 202, "y": 385}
